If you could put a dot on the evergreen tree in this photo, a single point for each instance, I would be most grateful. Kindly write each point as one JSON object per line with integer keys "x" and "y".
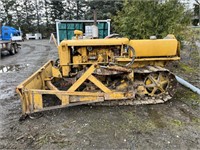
{"x": 7, "y": 9}
{"x": 28, "y": 16}
{"x": 141, "y": 19}
{"x": 57, "y": 10}
{"x": 105, "y": 9}
{"x": 196, "y": 17}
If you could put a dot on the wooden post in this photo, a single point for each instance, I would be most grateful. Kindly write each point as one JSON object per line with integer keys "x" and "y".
{"x": 52, "y": 37}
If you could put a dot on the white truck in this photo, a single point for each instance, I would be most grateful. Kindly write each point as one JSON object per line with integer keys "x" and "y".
{"x": 36, "y": 36}
{"x": 16, "y": 37}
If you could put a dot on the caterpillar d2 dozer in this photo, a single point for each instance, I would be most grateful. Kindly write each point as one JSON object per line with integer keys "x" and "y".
{"x": 104, "y": 72}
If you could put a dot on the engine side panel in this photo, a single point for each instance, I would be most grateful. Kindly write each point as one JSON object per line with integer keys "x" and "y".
{"x": 155, "y": 48}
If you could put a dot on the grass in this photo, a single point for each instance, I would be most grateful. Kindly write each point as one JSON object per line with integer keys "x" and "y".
{"x": 196, "y": 31}
{"x": 196, "y": 120}
{"x": 177, "y": 123}
{"x": 186, "y": 68}
{"x": 188, "y": 97}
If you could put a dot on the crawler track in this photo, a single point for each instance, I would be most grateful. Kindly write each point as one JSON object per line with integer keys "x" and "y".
{"x": 150, "y": 79}
{"x": 147, "y": 98}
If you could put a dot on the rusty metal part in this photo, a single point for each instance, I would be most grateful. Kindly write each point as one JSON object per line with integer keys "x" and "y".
{"x": 85, "y": 81}
{"x": 118, "y": 68}
{"x": 106, "y": 72}
{"x": 162, "y": 75}
{"x": 157, "y": 86}
{"x": 156, "y": 83}
{"x": 111, "y": 70}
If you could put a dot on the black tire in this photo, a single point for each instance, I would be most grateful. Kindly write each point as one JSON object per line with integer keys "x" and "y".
{"x": 16, "y": 48}
{"x": 12, "y": 50}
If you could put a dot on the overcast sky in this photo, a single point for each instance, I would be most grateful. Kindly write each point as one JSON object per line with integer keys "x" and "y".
{"x": 191, "y": 2}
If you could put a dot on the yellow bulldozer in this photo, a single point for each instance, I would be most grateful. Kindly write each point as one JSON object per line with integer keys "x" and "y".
{"x": 103, "y": 72}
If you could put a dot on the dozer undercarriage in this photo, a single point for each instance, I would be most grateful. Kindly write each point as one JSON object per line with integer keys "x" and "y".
{"x": 103, "y": 72}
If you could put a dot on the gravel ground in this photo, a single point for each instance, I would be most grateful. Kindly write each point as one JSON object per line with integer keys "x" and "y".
{"x": 173, "y": 125}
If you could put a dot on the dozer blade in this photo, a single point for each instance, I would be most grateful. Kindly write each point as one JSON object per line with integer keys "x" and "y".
{"x": 35, "y": 97}
{"x": 37, "y": 93}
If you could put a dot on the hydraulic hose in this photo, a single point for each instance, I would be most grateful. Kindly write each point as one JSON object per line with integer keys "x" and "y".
{"x": 133, "y": 58}
{"x": 188, "y": 85}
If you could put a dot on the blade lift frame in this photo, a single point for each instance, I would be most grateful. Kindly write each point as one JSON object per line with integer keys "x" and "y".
{"x": 32, "y": 89}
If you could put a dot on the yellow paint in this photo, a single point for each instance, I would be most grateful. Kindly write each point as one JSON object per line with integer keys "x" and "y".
{"x": 122, "y": 86}
{"x": 66, "y": 93}
{"x": 99, "y": 84}
{"x": 118, "y": 95}
{"x": 87, "y": 98}
{"x": 37, "y": 99}
{"x": 56, "y": 72}
{"x": 65, "y": 59}
{"x": 77, "y": 60}
{"x": 95, "y": 42}
{"x": 82, "y": 79}
{"x": 103, "y": 51}
{"x": 65, "y": 100}
{"x": 155, "y": 48}
{"x": 78, "y": 33}
{"x": 141, "y": 90}
{"x": 147, "y": 59}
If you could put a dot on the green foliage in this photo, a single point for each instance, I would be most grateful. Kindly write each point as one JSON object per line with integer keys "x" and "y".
{"x": 196, "y": 9}
{"x": 195, "y": 20}
{"x": 105, "y": 8}
{"x": 57, "y": 10}
{"x": 132, "y": 18}
{"x": 141, "y": 19}
{"x": 177, "y": 123}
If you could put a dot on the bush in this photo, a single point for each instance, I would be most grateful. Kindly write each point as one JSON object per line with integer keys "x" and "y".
{"x": 142, "y": 19}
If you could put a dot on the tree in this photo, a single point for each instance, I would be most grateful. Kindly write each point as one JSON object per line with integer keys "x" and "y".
{"x": 7, "y": 8}
{"x": 141, "y": 19}
{"x": 57, "y": 10}
{"x": 46, "y": 14}
{"x": 105, "y": 9}
{"x": 17, "y": 14}
{"x": 80, "y": 9}
{"x": 28, "y": 16}
{"x": 196, "y": 18}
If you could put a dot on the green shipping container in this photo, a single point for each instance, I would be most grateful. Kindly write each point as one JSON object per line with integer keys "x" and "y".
{"x": 66, "y": 30}
{"x": 63, "y": 34}
{"x": 70, "y": 26}
{"x": 70, "y": 34}
{"x": 62, "y": 26}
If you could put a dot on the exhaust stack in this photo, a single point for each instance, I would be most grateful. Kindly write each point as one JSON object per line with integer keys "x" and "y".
{"x": 94, "y": 27}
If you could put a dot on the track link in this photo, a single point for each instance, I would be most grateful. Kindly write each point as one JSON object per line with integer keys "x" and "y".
{"x": 146, "y": 99}
{"x": 140, "y": 76}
